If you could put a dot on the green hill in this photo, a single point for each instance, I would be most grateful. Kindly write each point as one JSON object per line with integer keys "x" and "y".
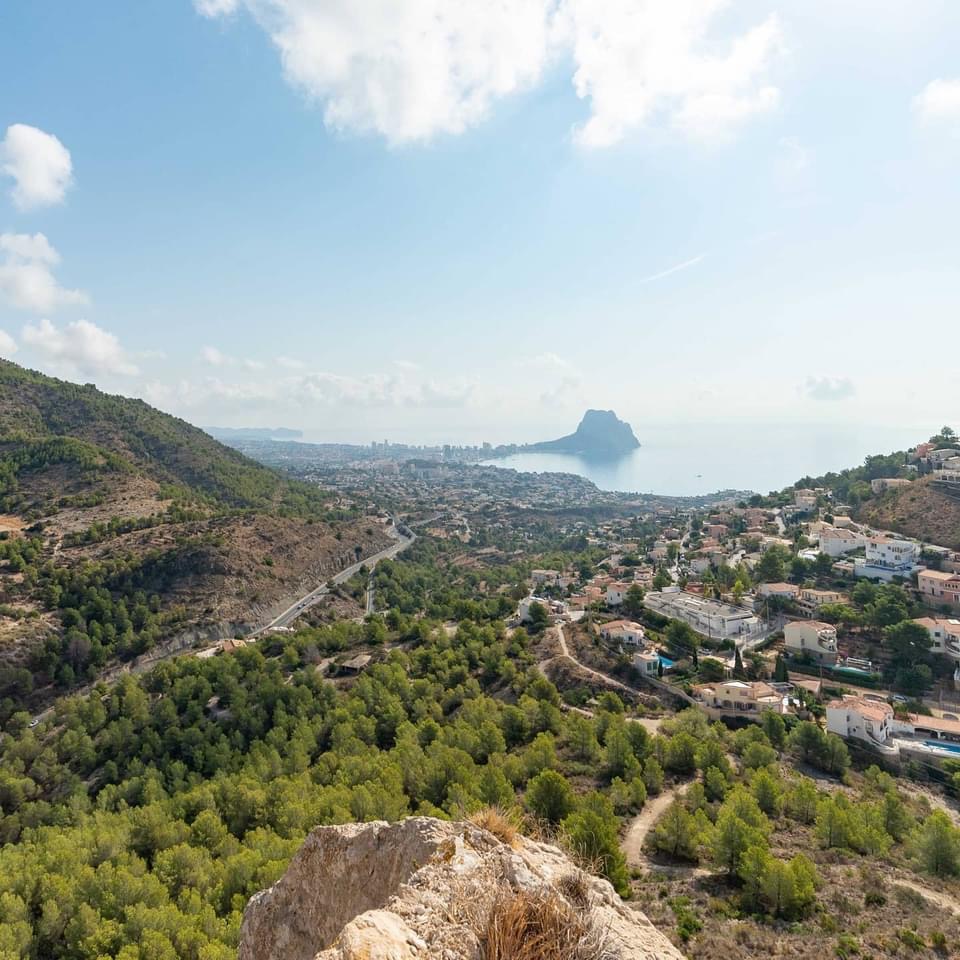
{"x": 44, "y": 421}
{"x": 124, "y": 530}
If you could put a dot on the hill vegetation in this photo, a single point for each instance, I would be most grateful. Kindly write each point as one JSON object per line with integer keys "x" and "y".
{"x": 124, "y": 528}
{"x": 919, "y": 510}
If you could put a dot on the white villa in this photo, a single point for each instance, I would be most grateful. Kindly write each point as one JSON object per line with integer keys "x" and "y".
{"x": 812, "y": 637}
{"x": 617, "y": 593}
{"x": 624, "y": 631}
{"x": 835, "y": 542}
{"x": 740, "y": 697}
{"x": 860, "y": 719}
{"x": 944, "y": 633}
{"x": 887, "y": 557}
{"x": 647, "y": 662}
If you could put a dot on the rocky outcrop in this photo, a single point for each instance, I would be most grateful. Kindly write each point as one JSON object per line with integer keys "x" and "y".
{"x": 600, "y": 434}
{"x": 426, "y": 889}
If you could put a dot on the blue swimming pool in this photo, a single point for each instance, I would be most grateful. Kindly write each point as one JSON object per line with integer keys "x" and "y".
{"x": 856, "y": 670}
{"x": 666, "y": 662}
{"x": 943, "y": 745}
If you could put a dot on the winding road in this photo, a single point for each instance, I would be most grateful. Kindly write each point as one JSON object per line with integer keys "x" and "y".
{"x": 299, "y": 607}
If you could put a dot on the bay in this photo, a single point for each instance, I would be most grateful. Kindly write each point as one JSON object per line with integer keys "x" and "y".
{"x": 695, "y": 459}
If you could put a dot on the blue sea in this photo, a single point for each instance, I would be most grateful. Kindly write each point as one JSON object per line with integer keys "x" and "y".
{"x": 695, "y": 459}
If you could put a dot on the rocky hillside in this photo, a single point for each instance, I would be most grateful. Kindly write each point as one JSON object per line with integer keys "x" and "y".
{"x": 123, "y": 529}
{"x": 426, "y": 889}
{"x": 920, "y": 510}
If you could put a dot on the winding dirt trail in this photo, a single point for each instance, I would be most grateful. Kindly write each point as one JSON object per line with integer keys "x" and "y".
{"x": 644, "y": 822}
{"x": 943, "y": 900}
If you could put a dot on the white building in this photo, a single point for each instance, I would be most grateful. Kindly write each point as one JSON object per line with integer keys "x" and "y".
{"x": 861, "y": 719}
{"x": 647, "y": 662}
{"x": 553, "y": 607}
{"x": 617, "y": 593}
{"x": 709, "y": 617}
{"x": 835, "y": 542}
{"x": 624, "y": 631}
{"x": 813, "y": 638}
{"x": 887, "y": 557}
{"x": 944, "y": 634}
{"x": 740, "y": 696}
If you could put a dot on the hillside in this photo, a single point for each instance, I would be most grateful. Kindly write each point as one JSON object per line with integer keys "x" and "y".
{"x": 123, "y": 529}
{"x": 44, "y": 421}
{"x": 920, "y": 510}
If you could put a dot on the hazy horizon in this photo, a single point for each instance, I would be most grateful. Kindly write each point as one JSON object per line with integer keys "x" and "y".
{"x": 417, "y": 223}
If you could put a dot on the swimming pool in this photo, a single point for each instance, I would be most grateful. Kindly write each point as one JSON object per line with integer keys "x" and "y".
{"x": 666, "y": 662}
{"x": 943, "y": 745}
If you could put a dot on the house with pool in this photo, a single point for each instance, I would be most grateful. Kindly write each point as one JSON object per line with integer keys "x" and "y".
{"x": 873, "y": 721}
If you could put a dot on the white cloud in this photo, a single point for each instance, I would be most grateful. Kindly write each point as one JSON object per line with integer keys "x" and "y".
{"x": 290, "y": 363}
{"x": 938, "y": 102}
{"x": 8, "y": 346}
{"x": 26, "y": 274}
{"x": 407, "y": 70}
{"x": 411, "y": 70}
{"x": 319, "y": 389}
{"x": 829, "y": 389}
{"x": 214, "y": 357}
{"x": 80, "y": 345}
{"x": 216, "y": 8}
{"x": 640, "y": 61}
{"x": 217, "y": 358}
{"x": 39, "y": 164}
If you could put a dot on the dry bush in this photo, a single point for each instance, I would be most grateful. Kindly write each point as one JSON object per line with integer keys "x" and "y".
{"x": 501, "y": 823}
{"x": 529, "y": 926}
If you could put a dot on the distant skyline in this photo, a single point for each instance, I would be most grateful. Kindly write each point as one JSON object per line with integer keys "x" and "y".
{"x": 455, "y": 221}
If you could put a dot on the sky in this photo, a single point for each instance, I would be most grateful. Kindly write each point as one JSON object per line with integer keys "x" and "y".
{"x": 465, "y": 220}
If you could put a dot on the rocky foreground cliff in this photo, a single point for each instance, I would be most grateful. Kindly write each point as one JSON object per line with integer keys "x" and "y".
{"x": 426, "y": 889}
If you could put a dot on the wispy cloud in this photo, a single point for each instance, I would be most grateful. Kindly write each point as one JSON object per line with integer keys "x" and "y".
{"x": 676, "y": 268}
{"x": 828, "y": 389}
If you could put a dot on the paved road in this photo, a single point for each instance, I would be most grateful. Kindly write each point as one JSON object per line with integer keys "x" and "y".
{"x": 288, "y": 616}
{"x": 297, "y": 609}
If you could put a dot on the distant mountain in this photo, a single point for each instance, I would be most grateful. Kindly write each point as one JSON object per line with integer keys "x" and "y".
{"x": 228, "y": 434}
{"x": 601, "y": 433}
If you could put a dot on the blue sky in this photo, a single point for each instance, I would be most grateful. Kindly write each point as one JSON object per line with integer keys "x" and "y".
{"x": 430, "y": 220}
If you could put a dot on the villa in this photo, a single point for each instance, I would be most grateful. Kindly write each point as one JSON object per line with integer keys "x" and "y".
{"x": 740, "y": 697}
{"x": 811, "y": 601}
{"x": 647, "y": 662}
{"x": 835, "y": 542}
{"x": 624, "y": 631}
{"x": 887, "y": 558}
{"x": 939, "y": 588}
{"x": 944, "y": 634}
{"x": 860, "y": 719}
{"x": 813, "y": 638}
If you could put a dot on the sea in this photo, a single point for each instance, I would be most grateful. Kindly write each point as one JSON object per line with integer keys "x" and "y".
{"x": 697, "y": 459}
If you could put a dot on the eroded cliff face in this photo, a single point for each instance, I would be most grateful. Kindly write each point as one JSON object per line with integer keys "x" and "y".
{"x": 426, "y": 889}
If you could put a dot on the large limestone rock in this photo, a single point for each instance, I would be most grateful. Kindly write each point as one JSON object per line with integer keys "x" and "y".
{"x": 424, "y": 889}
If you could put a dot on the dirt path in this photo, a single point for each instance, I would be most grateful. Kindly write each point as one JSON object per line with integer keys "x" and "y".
{"x": 604, "y": 678}
{"x": 943, "y": 900}
{"x": 644, "y": 822}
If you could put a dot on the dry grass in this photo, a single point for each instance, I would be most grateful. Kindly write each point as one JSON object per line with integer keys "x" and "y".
{"x": 503, "y": 824}
{"x": 527, "y": 926}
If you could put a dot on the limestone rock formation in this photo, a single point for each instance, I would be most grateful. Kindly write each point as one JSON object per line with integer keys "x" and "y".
{"x": 426, "y": 889}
